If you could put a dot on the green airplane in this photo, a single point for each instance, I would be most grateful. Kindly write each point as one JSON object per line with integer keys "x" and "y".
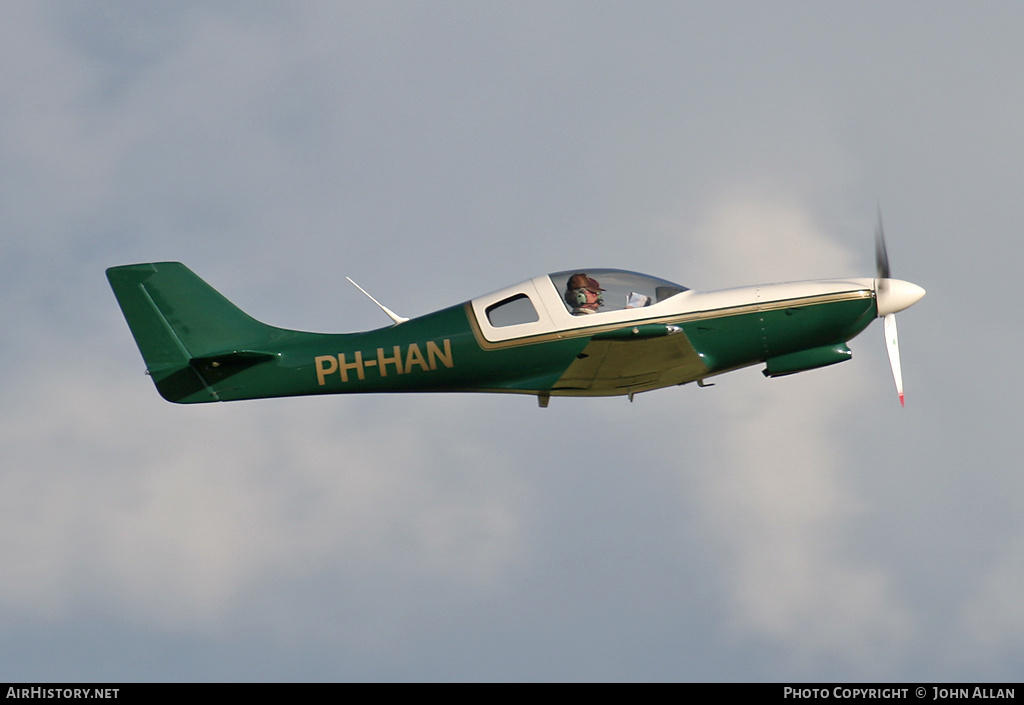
{"x": 583, "y": 332}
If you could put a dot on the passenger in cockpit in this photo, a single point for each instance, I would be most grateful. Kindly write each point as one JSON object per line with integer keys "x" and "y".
{"x": 583, "y": 294}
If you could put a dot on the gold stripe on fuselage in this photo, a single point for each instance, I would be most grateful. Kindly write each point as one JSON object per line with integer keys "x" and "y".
{"x": 672, "y": 319}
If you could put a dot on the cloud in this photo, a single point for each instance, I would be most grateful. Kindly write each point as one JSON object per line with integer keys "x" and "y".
{"x": 757, "y": 234}
{"x": 172, "y": 516}
{"x": 993, "y": 618}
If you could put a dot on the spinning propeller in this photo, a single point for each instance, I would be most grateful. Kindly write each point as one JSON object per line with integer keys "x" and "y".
{"x": 891, "y": 295}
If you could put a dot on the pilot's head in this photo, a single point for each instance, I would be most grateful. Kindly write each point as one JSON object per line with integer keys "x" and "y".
{"x": 583, "y": 294}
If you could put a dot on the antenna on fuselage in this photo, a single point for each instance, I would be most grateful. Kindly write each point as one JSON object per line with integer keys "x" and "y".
{"x": 391, "y": 314}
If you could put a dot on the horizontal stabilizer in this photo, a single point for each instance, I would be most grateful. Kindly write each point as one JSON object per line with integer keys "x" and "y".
{"x": 220, "y": 366}
{"x": 247, "y": 358}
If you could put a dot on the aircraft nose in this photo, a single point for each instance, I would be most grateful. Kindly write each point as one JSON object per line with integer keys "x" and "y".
{"x": 892, "y": 295}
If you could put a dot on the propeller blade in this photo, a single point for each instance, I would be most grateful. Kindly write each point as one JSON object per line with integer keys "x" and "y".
{"x": 881, "y": 254}
{"x": 892, "y": 346}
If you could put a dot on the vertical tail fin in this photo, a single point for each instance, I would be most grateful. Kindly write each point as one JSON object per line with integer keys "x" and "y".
{"x": 190, "y": 336}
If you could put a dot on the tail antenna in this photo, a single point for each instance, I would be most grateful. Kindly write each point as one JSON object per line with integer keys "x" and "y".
{"x": 390, "y": 314}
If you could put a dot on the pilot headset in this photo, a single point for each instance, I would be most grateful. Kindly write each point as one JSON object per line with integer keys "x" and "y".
{"x": 579, "y": 285}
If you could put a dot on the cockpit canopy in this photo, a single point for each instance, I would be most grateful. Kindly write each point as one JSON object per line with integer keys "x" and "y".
{"x": 586, "y": 291}
{"x": 563, "y": 300}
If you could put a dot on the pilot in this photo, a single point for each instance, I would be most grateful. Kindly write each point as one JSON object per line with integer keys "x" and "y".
{"x": 583, "y": 294}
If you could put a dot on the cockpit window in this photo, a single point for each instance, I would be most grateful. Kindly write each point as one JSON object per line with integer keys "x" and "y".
{"x": 512, "y": 311}
{"x": 588, "y": 291}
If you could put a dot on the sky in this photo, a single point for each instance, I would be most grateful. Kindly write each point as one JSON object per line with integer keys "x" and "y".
{"x": 804, "y": 528}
